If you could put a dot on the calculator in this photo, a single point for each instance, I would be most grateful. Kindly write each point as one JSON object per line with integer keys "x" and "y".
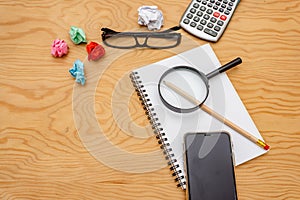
{"x": 208, "y": 19}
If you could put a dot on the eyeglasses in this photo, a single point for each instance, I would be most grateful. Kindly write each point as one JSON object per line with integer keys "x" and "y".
{"x": 154, "y": 40}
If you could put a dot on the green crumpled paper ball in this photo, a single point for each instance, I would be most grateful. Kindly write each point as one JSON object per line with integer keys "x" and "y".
{"x": 77, "y": 35}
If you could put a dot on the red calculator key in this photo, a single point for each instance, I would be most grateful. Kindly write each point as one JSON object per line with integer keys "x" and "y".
{"x": 216, "y": 14}
{"x": 223, "y": 17}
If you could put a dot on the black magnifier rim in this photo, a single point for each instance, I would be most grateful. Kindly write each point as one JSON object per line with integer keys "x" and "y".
{"x": 177, "y": 109}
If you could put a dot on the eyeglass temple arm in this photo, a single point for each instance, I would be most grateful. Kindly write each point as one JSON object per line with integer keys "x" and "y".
{"x": 107, "y": 31}
{"x": 175, "y": 28}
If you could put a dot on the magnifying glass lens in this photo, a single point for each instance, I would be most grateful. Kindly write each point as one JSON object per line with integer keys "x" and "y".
{"x": 189, "y": 81}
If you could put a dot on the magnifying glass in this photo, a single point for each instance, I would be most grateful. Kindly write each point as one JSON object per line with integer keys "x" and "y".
{"x": 184, "y": 89}
{"x": 190, "y": 80}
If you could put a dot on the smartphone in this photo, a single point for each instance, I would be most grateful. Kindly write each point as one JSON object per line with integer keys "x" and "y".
{"x": 209, "y": 166}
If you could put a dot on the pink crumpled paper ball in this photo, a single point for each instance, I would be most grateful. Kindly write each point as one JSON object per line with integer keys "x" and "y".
{"x": 59, "y": 48}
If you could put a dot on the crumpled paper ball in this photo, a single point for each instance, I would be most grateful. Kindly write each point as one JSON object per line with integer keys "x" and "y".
{"x": 78, "y": 72}
{"x": 90, "y": 46}
{"x": 77, "y": 35}
{"x": 95, "y": 51}
{"x": 151, "y": 17}
{"x": 59, "y": 48}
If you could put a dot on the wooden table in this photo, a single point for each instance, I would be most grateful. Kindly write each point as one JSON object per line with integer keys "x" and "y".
{"x": 41, "y": 153}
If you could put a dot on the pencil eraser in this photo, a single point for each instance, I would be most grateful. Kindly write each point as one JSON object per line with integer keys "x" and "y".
{"x": 267, "y": 147}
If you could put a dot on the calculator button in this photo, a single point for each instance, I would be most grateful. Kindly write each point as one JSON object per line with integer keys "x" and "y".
{"x": 215, "y": 7}
{"x": 221, "y": 9}
{"x": 193, "y": 10}
{"x": 213, "y": 20}
{"x": 210, "y": 25}
{"x": 225, "y": 1}
{"x": 229, "y": 8}
{"x": 206, "y": 16}
{"x": 217, "y": 28}
{"x": 227, "y": 12}
{"x": 223, "y": 6}
{"x": 193, "y": 24}
{"x": 218, "y": 3}
{"x": 210, "y": 5}
{"x": 202, "y": 8}
{"x": 220, "y": 23}
{"x": 204, "y": 2}
{"x": 209, "y": 11}
{"x": 199, "y": 27}
{"x": 230, "y": 4}
{"x": 212, "y": 1}
{"x": 196, "y": 19}
{"x": 216, "y": 14}
{"x": 190, "y": 16}
{"x": 186, "y": 21}
{"x": 210, "y": 32}
{"x": 223, "y": 17}
{"x": 199, "y": 13}
{"x": 203, "y": 22}
{"x": 196, "y": 5}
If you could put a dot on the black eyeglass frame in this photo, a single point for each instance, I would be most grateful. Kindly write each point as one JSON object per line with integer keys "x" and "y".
{"x": 108, "y": 33}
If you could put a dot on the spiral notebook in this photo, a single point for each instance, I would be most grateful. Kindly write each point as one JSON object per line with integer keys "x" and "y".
{"x": 170, "y": 126}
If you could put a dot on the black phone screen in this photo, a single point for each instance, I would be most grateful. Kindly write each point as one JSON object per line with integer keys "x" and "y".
{"x": 210, "y": 170}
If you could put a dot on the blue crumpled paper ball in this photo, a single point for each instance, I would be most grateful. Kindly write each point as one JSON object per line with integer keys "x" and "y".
{"x": 78, "y": 72}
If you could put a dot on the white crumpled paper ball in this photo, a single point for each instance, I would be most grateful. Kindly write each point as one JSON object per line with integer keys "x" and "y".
{"x": 151, "y": 17}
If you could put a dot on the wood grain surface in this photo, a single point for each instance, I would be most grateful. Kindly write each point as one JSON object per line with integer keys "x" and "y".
{"x": 42, "y": 156}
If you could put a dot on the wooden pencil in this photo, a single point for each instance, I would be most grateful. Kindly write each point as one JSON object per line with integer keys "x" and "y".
{"x": 217, "y": 115}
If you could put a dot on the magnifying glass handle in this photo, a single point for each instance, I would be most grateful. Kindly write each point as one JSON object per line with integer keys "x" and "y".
{"x": 225, "y": 67}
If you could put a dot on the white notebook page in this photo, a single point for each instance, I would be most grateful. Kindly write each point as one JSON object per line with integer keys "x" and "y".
{"x": 223, "y": 99}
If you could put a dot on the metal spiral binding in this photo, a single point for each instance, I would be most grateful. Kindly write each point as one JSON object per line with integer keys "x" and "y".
{"x": 156, "y": 126}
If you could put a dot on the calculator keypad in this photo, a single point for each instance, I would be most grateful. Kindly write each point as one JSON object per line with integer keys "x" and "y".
{"x": 209, "y": 15}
